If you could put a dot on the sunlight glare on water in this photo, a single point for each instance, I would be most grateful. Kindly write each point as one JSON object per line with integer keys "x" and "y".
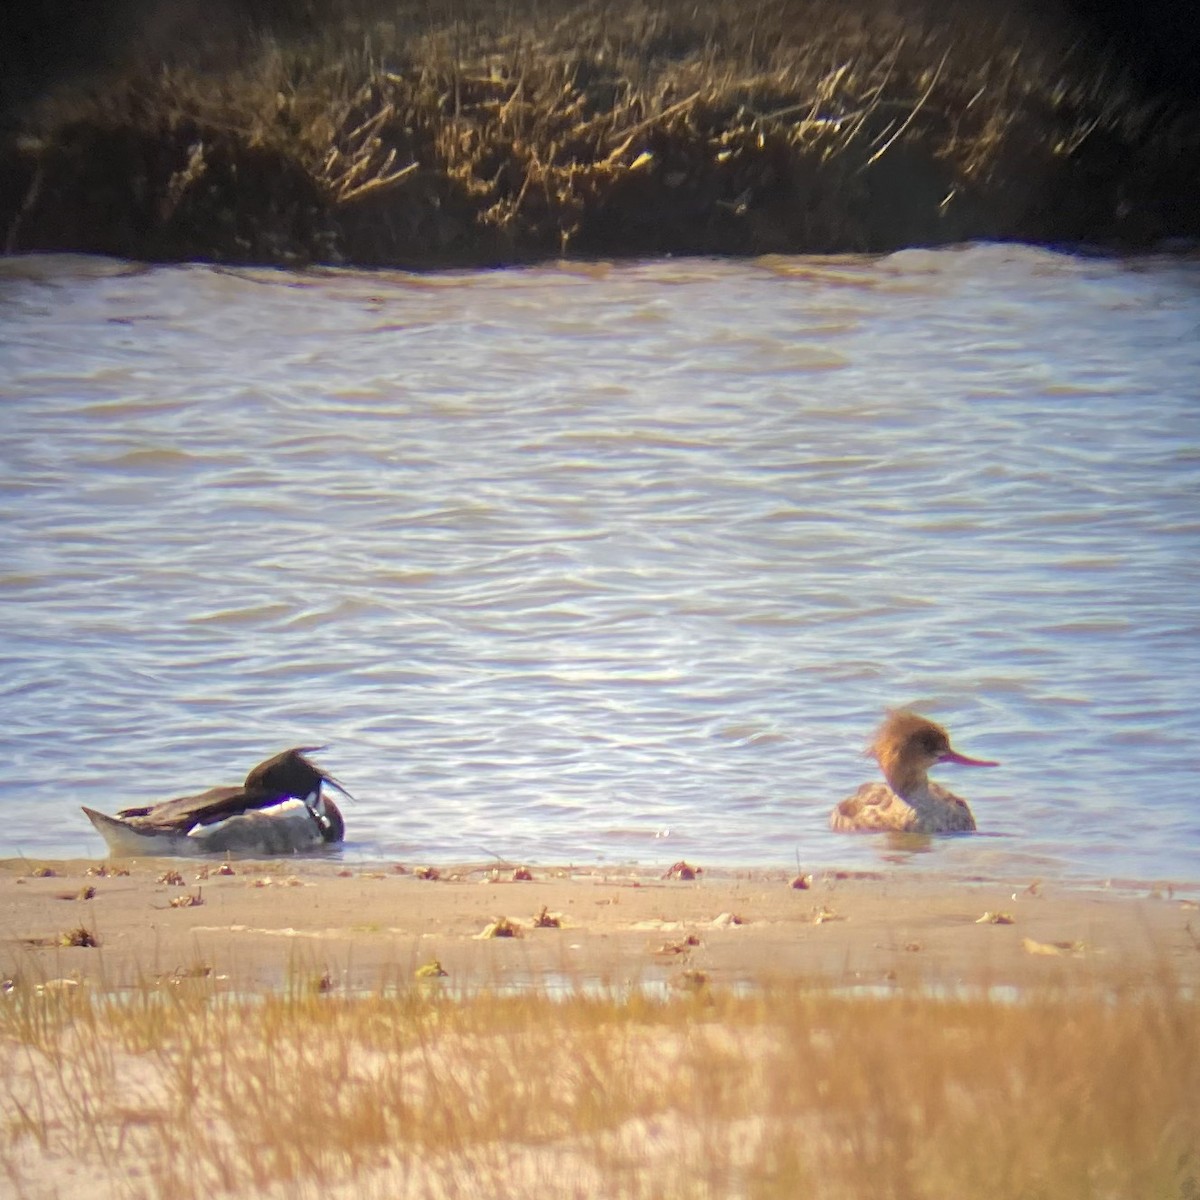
{"x": 610, "y": 563}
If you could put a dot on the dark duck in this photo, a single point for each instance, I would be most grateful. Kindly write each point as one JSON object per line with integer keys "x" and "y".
{"x": 281, "y": 808}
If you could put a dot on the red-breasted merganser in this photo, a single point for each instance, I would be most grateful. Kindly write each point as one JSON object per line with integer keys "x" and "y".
{"x": 906, "y": 746}
{"x": 280, "y": 809}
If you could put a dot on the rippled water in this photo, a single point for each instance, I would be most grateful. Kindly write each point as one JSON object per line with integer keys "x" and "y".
{"x": 612, "y": 563}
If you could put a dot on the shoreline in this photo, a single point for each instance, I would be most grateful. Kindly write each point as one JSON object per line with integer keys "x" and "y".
{"x": 477, "y": 139}
{"x": 268, "y": 924}
{"x": 649, "y": 1045}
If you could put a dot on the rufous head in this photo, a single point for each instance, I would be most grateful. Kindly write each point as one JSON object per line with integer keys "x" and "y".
{"x": 907, "y": 745}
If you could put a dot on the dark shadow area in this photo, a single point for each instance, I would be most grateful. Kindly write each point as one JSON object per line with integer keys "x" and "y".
{"x": 477, "y": 133}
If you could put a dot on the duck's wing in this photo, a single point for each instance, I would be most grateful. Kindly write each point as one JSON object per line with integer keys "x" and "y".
{"x": 876, "y": 807}
{"x": 180, "y": 814}
{"x": 288, "y": 775}
{"x": 873, "y": 807}
{"x": 287, "y": 827}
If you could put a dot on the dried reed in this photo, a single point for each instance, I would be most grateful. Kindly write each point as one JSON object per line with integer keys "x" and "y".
{"x": 495, "y": 133}
{"x": 188, "y": 1092}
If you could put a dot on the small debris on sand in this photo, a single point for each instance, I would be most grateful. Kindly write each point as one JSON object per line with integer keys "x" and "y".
{"x": 502, "y": 927}
{"x": 726, "y": 919}
{"x": 682, "y": 870}
{"x": 79, "y": 936}
{"x": 996, "y": 918}
{"x": 1052, "y": 949}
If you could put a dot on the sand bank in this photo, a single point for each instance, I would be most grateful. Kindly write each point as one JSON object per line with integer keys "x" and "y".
{"x": 262, "y": 924}
{"x": 884, "y": 1035}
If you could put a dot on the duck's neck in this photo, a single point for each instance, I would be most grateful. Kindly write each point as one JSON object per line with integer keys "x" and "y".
{"x": 330, "y": 821}
{"x": 907, "y": 780}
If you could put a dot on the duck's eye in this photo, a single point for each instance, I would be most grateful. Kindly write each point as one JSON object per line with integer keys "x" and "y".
{"x": 931, "y": 744}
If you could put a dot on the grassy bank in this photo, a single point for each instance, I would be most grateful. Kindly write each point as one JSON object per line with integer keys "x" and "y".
{"x": 481, "y": 133}
{"x": 184, "y": 1092}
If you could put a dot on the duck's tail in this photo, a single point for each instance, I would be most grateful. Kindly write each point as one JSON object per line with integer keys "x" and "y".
{"x": 121, "y": 837}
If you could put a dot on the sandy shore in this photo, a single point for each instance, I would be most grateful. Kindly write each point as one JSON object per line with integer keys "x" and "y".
{"x": 514, "y": 1095}
{"x": 263, "y": 924}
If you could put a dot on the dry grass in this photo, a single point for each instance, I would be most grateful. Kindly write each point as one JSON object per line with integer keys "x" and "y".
{"x": 501, "y": 132}
{"x": 186, "y": 1092}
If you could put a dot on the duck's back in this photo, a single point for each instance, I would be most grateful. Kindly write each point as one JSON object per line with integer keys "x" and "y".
{"x": 180, "y": 814}
{"x": 875, "y": 807}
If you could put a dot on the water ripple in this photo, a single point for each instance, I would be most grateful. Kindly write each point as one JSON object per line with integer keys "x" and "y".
{"x": 609, "y": 562}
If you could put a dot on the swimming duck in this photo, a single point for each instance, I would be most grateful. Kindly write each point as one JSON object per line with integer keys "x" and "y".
{"x": 906, "y": 746}
{"x": 280, "y": 809}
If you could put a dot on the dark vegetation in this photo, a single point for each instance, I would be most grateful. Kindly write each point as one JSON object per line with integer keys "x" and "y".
{"x": 475, "y": 133}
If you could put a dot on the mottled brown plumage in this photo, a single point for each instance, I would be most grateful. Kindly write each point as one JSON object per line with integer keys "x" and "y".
{"x": 906, "y": 746}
